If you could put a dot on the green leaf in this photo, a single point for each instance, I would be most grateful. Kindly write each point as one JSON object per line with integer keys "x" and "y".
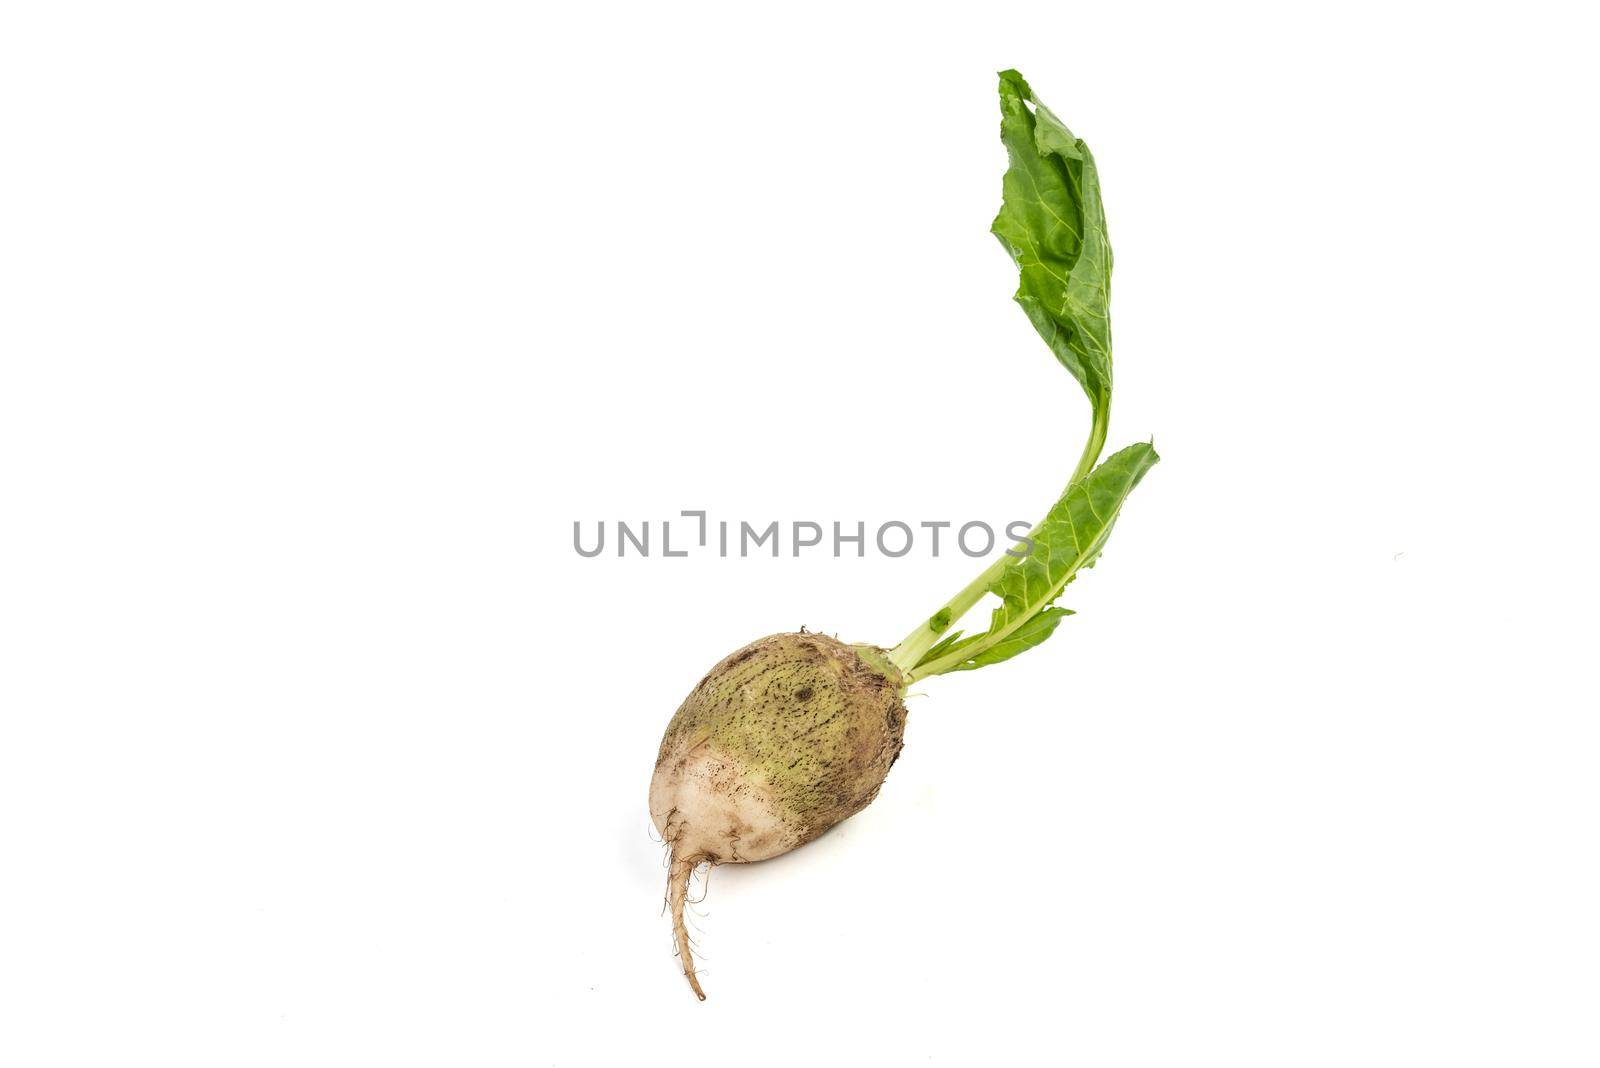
{"x": 1025, "y": 637}
{"x": 1054, "y": 226}
{"x": 1068, "y": 539}
{"x": 947, "y": 645}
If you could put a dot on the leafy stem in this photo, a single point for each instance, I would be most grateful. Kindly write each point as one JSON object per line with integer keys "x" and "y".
{"x": 1052, "y": 223}
{"x": 932, "y": 630}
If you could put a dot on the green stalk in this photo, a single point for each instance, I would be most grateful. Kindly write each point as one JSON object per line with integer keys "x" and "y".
{"x": 1097, "y": 438}
{"x": 915, "y": 646}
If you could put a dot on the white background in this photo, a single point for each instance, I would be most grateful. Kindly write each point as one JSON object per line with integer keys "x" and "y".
{"x": 322, "y": 323}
